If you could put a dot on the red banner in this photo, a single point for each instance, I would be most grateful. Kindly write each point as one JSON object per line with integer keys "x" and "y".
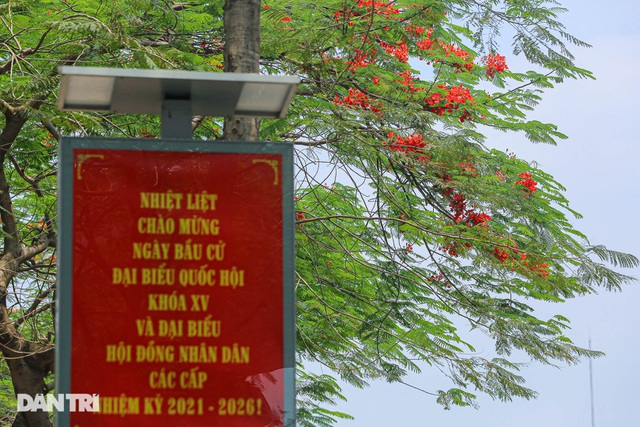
{"x": 177, "y": 302}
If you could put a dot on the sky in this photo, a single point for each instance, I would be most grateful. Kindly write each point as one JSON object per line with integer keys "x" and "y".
{"x": 598, "y": 167}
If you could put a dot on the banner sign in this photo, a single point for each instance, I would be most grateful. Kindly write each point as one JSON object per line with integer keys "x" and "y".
{"x": 175, "y": 291}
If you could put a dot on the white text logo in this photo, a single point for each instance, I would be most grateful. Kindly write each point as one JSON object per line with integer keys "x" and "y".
{"x": 73, "y": 402}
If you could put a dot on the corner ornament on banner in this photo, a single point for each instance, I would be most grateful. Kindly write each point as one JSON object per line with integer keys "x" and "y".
{"x": 83, "y": 158}
{"x": 274, "y": 165}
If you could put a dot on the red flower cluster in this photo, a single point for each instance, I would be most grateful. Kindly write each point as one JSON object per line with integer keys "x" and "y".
{"x": 452, "y": 248}
{"x": 450, "y": 49}
{"x": 399, "y": 50}
{"x": 503, "y": 255}
{"x": 47, "y": 141}
{"x": 466, "y": 115}
{"x": 425, "y": 44}
{"x": 413, "y": 142}
{"x": 357, "y": 98}
{"x": 433, "y": 100}
{"x": 359, "y": 61}
{"x": 477, "y": 218}
{"x": 500, "y": 253}
{"x": 469, "y": 168}
{"x": 541, "y": 269}
{"x": 347, "y": 17}
{"x": 440, "y": 103}
{"x": 416, "y": 30}
{"x": 440, "y": 279}
{"x": 526, "y": 181}
{"x": 408, "y": 80}
{"x": 380, "y": 7}
{"x": 436, "y": 278}
{"x": 458, "y": 206}
{"x": 495, "y": 64}
{"x": 459, "y": 94}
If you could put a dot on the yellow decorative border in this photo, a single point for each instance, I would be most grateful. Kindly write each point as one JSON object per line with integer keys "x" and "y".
{"x": 83, "y": 158}
{"x": 274, "y": 165}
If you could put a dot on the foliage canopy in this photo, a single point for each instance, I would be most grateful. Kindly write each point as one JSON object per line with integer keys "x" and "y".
{"x": 409, "y": 228}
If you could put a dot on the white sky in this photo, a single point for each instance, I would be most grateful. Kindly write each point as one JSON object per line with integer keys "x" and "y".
{"x": 597, "y": 165}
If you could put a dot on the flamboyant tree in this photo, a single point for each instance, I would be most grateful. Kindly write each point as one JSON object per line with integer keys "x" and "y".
{"x": 408, "y": 225}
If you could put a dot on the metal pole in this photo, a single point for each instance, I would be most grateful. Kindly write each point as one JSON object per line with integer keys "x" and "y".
{"x": 176, "y": 119}
{"x": 593, "y": 420}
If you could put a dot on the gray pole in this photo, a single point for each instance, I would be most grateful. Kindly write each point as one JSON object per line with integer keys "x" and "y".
{"x": 176, "y": 119}
{"x": 593, "y": 420}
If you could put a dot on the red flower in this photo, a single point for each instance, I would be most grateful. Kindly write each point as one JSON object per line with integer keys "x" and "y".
{"x": 526, "y": 181}
{"x": 399, "y": 50}
{"x": 359, "y": 61}
{"x": 495, "y": 64}
{"x": 501, "y": 254}
{"x": 451, "y": 249}
{"x": 408, "y": 80}
{"x": 413, "y": 142}
{"x": 380, "y": 7}
{"x": 476, "y": 218}
{"x": 359, "y": 99}
{"x": 450, "y": 49}
{"x": 452, "y": 99}
{"x": 468, "y": 167}
{"x": 466, "y": 115}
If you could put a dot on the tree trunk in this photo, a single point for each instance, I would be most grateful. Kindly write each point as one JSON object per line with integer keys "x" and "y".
{"x": 28, "y": 378}
{"x": 29, "y": 362}
{"x": 242, "y": 55}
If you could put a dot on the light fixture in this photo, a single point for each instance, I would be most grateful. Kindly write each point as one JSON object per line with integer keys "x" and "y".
{"x": 175, "y": 94}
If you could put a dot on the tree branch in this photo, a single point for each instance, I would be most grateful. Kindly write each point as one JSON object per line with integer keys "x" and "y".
{"x": 22, "y": 54}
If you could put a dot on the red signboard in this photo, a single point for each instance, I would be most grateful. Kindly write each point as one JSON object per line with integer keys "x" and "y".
{"x": 176, "y": 287}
